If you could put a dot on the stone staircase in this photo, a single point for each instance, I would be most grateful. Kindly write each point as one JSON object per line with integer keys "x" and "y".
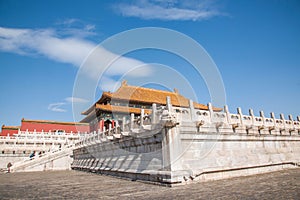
{"x": 53, "y": 160}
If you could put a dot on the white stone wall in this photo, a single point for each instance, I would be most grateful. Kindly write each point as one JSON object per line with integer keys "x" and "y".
{"x": 210, "y": 153}
{"x": 6, "y": 158}
{"x": 130, "y": 154}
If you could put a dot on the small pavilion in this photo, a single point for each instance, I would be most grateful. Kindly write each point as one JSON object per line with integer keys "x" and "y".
{"x": 112, "y": 107}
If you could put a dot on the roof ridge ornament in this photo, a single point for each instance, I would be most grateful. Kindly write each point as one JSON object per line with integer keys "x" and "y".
{"x": 124, "y": 83}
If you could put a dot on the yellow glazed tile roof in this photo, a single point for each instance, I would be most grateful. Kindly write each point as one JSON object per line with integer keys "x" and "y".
{"x": 54, "y": 122}
{"x": 141, "y": 95}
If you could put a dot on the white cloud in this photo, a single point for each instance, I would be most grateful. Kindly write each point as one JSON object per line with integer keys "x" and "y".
{"x": 45, "y": 42}
{"x": 76, "y": 100}
{"x": 56, "y": 107}
{"x": 89, "y": 27}
{"x": 169, "y": 10}
{"x": 66, "y": 47}
{"x": 68, "y": 22}
{"x": 76, "y": 27}
{"x": 113, "y": 65}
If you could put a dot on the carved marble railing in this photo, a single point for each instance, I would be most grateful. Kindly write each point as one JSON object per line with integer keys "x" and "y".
{"x": 26, "y": 139}
{"x": 99, "y": 136}
{"x": 41, "y": 159}
{"x": 204, "y": 120}
{"x": 208, "y": 120}
{"x": 224, "y": 121}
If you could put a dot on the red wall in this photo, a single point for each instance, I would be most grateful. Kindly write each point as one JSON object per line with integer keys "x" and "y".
{"x": 5, "y": 132}
{"x": 97, "y": 126}
{"x": 31, "y": 126}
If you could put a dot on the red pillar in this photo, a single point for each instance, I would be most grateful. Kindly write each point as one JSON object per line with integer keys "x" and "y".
{"x": 112, "y": 123}
{"x": 101, "y": 124}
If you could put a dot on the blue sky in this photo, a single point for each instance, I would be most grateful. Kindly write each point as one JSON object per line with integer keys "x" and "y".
{"x": 255, "y": 44}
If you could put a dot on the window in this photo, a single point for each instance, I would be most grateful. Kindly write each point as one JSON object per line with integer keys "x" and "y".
{"x": 59, "y": 131}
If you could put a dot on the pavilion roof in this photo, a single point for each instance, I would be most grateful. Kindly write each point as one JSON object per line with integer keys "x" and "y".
{"x": 135, "y": 94}
{"x": 54, "y": 122}
{"x": 10, "y": 127}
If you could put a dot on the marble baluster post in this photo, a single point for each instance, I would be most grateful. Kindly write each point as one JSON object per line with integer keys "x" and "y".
{"x": 283, "y": 120}
{"x": 123, "y": 123}
{"x": 251, "y": 113}
{"x": 292, "y": 125}
{"x": 192, "y": 110}
{"x": 168, "y": 104}
{"x": 211, "y": 112}
{"x": 239, "y": 112}
{"x": 131, "y": 121}
{"x": 153, "y": 114}
{"x": 226, "y": 110}
{"x": 142, "y": 118}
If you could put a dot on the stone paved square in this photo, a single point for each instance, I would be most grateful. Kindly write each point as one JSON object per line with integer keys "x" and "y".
{"x": 283, "y": 184}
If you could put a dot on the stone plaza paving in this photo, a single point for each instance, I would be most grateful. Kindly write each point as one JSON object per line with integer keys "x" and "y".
{"x": 283, "y": 184}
